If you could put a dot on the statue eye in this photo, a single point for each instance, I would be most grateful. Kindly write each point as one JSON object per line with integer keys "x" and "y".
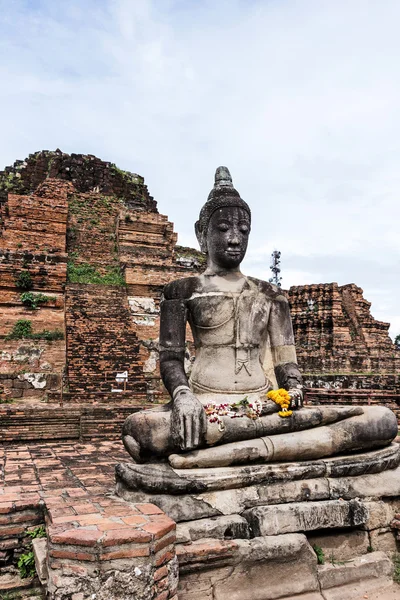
{"x": 223, "y": 226}
{"x": 244, "y": 228}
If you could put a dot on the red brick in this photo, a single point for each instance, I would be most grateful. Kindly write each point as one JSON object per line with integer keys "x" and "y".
{"x": 149, "y": 509}
{"x": 85, "y": 509}
{"x": 164, "y": 557}
{"x": 128, "y": 553}
{"x": 5, "y": 507}
{"x": 162, "y": 584}
{"x": 84, "y": 556}
{"x": 75, "y": 537}
{"x": 92, "y": 519}
{"x": 164, "y": 542}
{"x": 128, "y": 535}
{"x": 160, "y": 528}
{"x": 160, "y": 573}
{"x": 6, "y": 531}
{"x": 134, "y": 520}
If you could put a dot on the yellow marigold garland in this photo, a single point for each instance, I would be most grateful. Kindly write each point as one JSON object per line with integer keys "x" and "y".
{"x": 282, "y": 398}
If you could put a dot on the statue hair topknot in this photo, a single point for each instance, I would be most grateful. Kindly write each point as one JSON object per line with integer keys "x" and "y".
{"x": 223, "y": 194}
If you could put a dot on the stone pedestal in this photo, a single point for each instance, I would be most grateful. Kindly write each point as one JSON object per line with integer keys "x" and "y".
{"x": 248, "y": 533}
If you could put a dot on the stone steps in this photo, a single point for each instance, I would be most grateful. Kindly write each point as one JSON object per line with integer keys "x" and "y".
{"x": 23, "y": 423}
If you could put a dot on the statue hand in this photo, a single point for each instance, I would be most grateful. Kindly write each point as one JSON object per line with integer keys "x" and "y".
{"x": 296, "y": 398}
{"x": 188, "y": 420}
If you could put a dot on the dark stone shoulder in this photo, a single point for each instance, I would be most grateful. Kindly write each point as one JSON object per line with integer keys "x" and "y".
{"x": 181, "y": 289}
{"x": 270, "y": 290}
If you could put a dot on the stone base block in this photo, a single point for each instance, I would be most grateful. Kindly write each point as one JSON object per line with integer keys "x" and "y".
{"x": 384, "y": 539}
{"x": 247, "y": 569}
{"x": 305, "y": 516}
{"x": 370, "y": 566}
{"x": 222, "y": 528}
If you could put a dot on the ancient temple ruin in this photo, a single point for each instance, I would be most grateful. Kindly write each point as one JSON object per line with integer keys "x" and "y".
{"x": 84, "y": 256}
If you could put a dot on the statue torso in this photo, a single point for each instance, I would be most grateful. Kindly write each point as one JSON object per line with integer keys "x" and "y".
{"x": 230, "y": 330}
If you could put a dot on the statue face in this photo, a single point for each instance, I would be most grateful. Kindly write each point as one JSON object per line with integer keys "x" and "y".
{"x": 227, "y": 236}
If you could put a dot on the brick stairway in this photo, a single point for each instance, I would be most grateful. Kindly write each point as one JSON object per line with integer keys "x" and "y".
{"x": 101, "y": 340}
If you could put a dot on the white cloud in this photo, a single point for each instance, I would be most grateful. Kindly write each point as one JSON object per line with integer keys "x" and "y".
{"x": 299, "y": 99}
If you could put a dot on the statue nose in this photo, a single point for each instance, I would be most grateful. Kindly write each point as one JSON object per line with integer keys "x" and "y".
{"x": 234, "y": 239}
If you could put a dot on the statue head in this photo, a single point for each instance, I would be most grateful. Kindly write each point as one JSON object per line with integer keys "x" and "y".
{"x": 224, "y": 223}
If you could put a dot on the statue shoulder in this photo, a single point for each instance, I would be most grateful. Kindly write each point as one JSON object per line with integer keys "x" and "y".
{"x": 181, "y": 288}
{"x": 269, "y": 289}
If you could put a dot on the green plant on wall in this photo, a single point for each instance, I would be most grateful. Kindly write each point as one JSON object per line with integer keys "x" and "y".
{"x": 397, "y": 341}
{"x": 38, "y": 532}
{"x": 320, "y": 554}
{"x": 26, "y": 562}
{"x": 24, "y": 280}
{"x": 31, "y": 300}
{"x": 85, "y": 273}
{"x": 23, "y": 330}
{"x": 26, "y": 565}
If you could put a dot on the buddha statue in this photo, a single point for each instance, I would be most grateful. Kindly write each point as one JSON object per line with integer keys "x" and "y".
{"x": 221, "y": 415}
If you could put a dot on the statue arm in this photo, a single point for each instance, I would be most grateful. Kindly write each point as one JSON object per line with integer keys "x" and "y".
{"x": 283, "y": 348}
{"x": 188, "y": 419}
{"x": 172, "y": 343}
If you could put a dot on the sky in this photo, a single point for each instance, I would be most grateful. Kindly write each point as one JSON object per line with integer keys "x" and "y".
{"x": 298, "y": 98}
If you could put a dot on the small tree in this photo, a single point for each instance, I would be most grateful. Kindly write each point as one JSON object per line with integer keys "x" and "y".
{"x": 276, "y": 268}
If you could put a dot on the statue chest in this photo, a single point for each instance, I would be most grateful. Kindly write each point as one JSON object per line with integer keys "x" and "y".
{"x": 219, "y": 318}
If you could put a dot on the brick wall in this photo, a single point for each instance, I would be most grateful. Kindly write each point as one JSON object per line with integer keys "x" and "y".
{"x": 336, "y": 333}
{"x": 100, "y": 339}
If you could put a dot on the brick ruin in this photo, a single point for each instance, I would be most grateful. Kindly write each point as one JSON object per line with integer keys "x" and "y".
{"x": 84, "y": 255}
{"x": 345, "y": 354}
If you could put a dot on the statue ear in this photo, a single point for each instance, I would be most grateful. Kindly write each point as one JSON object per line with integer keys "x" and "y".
{"x": 200, "y": 237}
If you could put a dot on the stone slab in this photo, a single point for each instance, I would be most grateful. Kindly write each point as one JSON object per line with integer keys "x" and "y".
{"x": 380, "y": 514}
{"x": 225, "y": 527}
{"x": 374, "y": 565}
{"x": 306, "y": 596}
{"x": 377, "y": 485}
{"x": 305, "y": 516}
{"x": 39, "y": 546}
{"x": 259, "y": 575}
{"x": 225, "y": 502}
{"x": 384, "y": 539}
{"x": 248, "y": 569}
{"x": 188, "y": 507}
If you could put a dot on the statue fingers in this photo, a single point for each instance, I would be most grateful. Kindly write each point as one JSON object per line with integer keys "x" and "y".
{"x": 188, "y": 421}
{"x": 181, "y": 432}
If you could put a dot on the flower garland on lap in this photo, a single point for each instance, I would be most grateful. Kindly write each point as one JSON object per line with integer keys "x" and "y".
{"x": 282, "y": 398}
{"x": 244, "y": 408}
{"x": 240, "y": 409}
